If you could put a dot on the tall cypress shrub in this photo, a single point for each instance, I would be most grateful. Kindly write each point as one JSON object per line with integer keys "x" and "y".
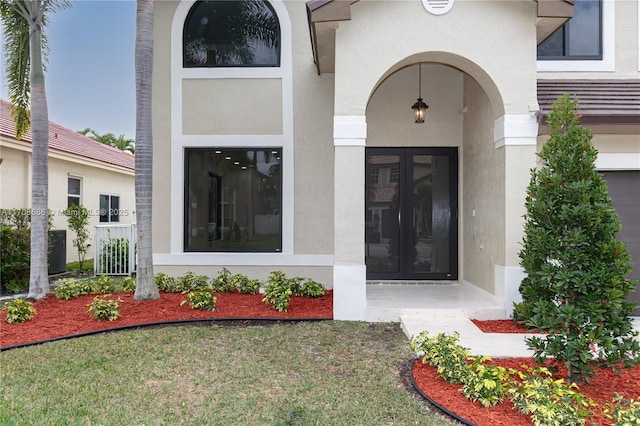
{"x": 576, "y": 285}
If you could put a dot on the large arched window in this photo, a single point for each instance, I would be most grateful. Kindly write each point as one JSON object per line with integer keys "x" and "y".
{"x": 244, "y": 33}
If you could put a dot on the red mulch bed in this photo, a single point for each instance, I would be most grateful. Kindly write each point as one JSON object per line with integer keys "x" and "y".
{"x": 57, "y": 318}
{"x": 603, "y": 387}
{"x": 500, "y": 326}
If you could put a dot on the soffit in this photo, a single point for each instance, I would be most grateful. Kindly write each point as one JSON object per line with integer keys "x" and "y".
{"x": 324, "y": 16}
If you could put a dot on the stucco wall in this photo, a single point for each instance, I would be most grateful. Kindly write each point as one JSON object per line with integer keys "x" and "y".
{"x": 368, "y": 46}
{"x": 95, "y": 181}
{"x": 390, "y": 117}
{"x": 483, "y": 206}
{"x": 294, "y": 104}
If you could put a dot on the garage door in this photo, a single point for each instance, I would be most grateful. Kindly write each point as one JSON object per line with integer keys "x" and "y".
{"x": 624, "y": 190}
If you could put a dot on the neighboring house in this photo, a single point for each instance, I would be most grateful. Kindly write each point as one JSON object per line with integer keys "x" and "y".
{"x": 294, "y": 121}
{"x": 81, "y": 171}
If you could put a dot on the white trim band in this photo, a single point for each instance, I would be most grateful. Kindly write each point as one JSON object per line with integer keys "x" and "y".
{"x": 618, "y": 161}
{"x": 242, "y": 259}
{"x": 515, "y": 129}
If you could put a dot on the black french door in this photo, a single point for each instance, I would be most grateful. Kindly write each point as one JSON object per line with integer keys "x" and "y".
{"x": 411, "y": 213}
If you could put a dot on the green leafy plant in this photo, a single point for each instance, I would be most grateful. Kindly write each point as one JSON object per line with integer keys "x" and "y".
{"x": 444, "y": 353}
{"x": 166, "y": 283}
{"x": 19, "y": 310}
{"x": 244, "y": 285}
{"x": 278, "y": 291}
{"x": 127, "y": 284}
{"x": 203, "y": 297}
{"x": 78, "y": 220}
{"x": 103, "y": 308}
{"x": 485, "y": 383}
{"x": 223, "y": 282}
{"x": 546, "y": 401}
{"x": 623, "y": 411}
{"x": 190, "y": 281}
{"x": 15, "y": 255}
{"x": 69, "y": 288}
{"x": 311, "y": 288}
{"x": 576, "y": 286}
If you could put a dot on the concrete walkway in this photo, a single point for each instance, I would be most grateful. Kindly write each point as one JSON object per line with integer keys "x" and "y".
{"x": 447, "y": 308}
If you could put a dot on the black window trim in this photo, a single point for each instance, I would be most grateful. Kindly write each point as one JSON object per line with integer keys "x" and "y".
{"x": 566, "y": 37}
{"x": 185, "y": 204}
{"x": 242, "y": 66}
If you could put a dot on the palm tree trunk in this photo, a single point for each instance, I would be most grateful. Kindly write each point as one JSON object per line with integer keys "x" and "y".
{"x": 39, "y": 279}
{"x": 146, "y": 288}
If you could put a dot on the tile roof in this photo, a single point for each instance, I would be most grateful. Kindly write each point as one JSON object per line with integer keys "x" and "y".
{"x": 66, "y": 140}
{"x": 599, "y": 101}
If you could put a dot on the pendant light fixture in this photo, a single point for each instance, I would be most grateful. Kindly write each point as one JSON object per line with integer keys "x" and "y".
{"x": 419, "y": 108}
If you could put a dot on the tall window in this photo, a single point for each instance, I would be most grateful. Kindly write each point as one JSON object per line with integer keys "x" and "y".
{"x": 73, "y": 191}
{"x": 231, "y": 34}
{"x": 233, "y": 200}
{"x": 109, "y": 208}
{"x": 580, "y": 38}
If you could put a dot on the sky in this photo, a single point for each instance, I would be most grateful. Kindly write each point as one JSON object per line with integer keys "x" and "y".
{"x": 90, "y": 77}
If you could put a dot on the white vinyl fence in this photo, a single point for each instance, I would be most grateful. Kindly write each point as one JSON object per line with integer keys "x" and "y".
{"x": 114, "y": 249}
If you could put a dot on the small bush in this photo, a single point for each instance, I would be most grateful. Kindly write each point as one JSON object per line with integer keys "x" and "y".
{"x": 444, "y": 353}
{"x": 485, "y": 383}
{"x": 223, "y": 282}
{"x": 203, "y": 297}
{"x": 278, "y": 291}
{"x": 102, "y": 308}
{"x": 311, "y": 288}
{"x": 19, "y": 310}
{"x": 244, "y": 285}
{"x": 190, "y": 281}
{"x": 546, "y": 401}
{"x": 15, "y": 255}
{"x": 70, "y": 288}
{"x": 127, "y": 284}
{"x": 166, "y": 283}
{"x": 623, "y": 411}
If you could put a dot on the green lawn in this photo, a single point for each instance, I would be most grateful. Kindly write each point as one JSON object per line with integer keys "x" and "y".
{"x": 340, "y": 373}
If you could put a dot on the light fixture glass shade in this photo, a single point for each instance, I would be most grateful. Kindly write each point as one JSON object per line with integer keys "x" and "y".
{"x": 419, "y": 110}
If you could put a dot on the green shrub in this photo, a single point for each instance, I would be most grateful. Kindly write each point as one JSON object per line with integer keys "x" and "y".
{"x": 203, "y": 297}
{"x": 127, "y": 284}
{"x": 444, "y": 353}
{"x": 576, "y": 286}
{"x": 19, "y": 310}
{"x": 166, "y": 283}
{"x": 223, "y": 282}
{"x": 311, "y": 288}
{"x": 623, "y": 411}
{"x": 278, "y": 291}
{"x": 244, "y": 285}
{"x": 15, "y": 255}
{"x": 190, "y": 281}
{"x": 102, "y": 308}
{"x": 485, "y": 383}
{"x": 546, "y": 401}
{"x": 69, "y": 288}
{"x": 78, "y": 220}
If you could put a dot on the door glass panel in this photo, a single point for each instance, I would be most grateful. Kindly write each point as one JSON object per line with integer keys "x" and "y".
{"x": 430, "y": 224}
{"x": 382, "y": 229}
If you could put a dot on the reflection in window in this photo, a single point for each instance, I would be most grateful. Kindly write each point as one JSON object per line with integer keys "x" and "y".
{"x": 109, "y": 208}
{"x": 73, "y": 191}
{"x": 579, "y": 38}
{"x": 231, "y": 33}
{"x": 233, "y": 200}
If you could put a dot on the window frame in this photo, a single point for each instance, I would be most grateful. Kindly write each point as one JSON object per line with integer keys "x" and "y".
{"x": 566, "y": 37}
{"x": 606, "y": 64}
{"x": 186, "y": 202}
{"x": 78, "y": 195}
{"x": 112, "y": 214}
{"x": 192, "y": 9}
